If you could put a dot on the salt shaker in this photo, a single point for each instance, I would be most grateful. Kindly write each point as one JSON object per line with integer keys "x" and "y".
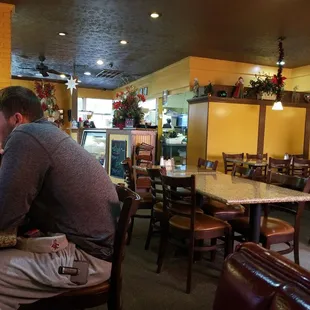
{"x": 286, "y": 156}
{"x": 162, "y": 161}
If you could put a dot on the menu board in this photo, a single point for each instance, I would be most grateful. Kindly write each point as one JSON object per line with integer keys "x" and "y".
{"x": 118, "y": 154}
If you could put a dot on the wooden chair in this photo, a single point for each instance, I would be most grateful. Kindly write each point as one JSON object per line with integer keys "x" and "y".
{"x": 301, "y": 167}
{"x": 228, "y": 165}
{"x": 194, "y": 227}
{"x": 157, "y": 200}
{"x": 299, "y": 156}
{"x": 274, "y": 230}
{"x": 279, "y": 165}
{"x": 256, "y": 156}
{"x": 146, "y": 202}
{"x": 204, "y": 163}
{"x": 109, "y": 291}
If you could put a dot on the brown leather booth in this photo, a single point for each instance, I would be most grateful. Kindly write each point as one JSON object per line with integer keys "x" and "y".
{"x": 254, "y": 278}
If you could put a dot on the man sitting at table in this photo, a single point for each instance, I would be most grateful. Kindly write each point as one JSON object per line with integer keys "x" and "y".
{"x": 51, "y": 183}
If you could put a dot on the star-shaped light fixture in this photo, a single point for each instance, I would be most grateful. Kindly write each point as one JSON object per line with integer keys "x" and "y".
{"x": 71, "y": 84}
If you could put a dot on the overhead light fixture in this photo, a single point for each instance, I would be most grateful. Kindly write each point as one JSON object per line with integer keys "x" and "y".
{"x": 79, "y": 81}
{"x": 124, "y": 42}
{"x": 38, "y": 74}
{"x": 99, "y": 62}
{"x": 277, "y": 106}
{"x": 63, "y": 76}
{"x": 155, "y": 15}
{"x": 87, "y": 73}
{"x": 19, "y": 75}
{"x": 62, "y": 34}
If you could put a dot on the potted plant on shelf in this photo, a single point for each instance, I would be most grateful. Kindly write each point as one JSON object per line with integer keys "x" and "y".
{"x": 266, "y": 85}
{"x": 126, "y": 109}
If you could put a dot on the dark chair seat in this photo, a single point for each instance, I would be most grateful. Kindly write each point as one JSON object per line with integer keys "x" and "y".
{"x": 222, "y": 211}
{"x": 202, "y": 222}
{"x": 274, "y": 229}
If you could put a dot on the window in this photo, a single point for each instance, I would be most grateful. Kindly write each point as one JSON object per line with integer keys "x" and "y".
{"x": 101, "y": 108}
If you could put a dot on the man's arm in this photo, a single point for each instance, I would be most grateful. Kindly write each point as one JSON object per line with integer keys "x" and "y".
{"x": 24, "y": 165}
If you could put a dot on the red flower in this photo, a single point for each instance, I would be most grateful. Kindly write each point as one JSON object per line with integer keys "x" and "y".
{"x": 117, "y": 105}
{"x": 141, "y": 97}
{"x": 275, "y": 80}
{"x": 44, "y": 107}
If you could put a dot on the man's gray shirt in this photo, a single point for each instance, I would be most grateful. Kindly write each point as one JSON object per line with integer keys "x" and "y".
{"x": 50, "y": 179}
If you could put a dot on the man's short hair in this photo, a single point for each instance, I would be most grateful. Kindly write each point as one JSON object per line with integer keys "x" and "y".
{"x": 18, "y": 99}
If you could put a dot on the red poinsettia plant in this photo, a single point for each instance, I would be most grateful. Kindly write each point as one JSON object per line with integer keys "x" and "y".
{"x": 126, "y": 106}
{"x": 46, "y": 93}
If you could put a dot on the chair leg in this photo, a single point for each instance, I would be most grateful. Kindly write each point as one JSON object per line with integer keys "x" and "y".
{"x": 149, "y": 234}
{"x": 130, "y": 230}
{"x": 266, "y": 244}
{"x": 162, "y": 249}
{"x": 296, "y": 252}
{"x": 213, "y": 253}
{"x": 190, "y": 267}
{"x": 228, "y": 243}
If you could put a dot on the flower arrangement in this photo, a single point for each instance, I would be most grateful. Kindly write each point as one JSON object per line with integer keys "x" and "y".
{"x": 46, "y": 94}
{"x": 126, "y": 106}
{"x": 267, "y": 84}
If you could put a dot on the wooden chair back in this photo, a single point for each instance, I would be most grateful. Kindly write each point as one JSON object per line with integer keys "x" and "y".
{"x": 128, "y": 174}
{"x": 257, "y": 156}
{"x": 299, "y": 156}
{"x": 228, "y": 166}
{"x": 208, "y": 164}
{"x": 178, "y": 193}
{"x": 279, "y": 165}
{"x": 156, "y": 185}
{"x": 290, "y": 182}
{"x": 301, "y": 167}
{"x": 245, "y": 172}
{"x": 130, "y": 203}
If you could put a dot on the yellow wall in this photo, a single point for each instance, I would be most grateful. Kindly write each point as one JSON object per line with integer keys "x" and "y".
{"x": 174, "y": 78}
{"x": 284, "y": 131}
{"x": 233, "y": 128}
{"x": 301, "y": 78}
{"x": 222, "y": 72}
{"x": 95, "y": 93}
{"x": 5, "y": 44}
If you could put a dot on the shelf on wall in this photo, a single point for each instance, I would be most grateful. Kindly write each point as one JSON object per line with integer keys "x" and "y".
{"x": 245, "y": 101}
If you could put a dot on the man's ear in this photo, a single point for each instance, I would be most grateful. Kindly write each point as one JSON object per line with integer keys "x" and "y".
{"x": 19, "y": 119}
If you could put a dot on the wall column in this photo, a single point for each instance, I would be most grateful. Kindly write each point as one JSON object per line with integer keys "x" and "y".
{"x": 5, "y": 44}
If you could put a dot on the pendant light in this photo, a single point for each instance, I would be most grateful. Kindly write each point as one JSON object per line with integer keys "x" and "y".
{"x": 277, "y": 106}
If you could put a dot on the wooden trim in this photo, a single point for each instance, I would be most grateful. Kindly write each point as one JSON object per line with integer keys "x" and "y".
{"x": 207, "y": 130}
{"x": 307, "y": 134}
{"x": 245, "y": 101}
{"x": 261, "y": 129}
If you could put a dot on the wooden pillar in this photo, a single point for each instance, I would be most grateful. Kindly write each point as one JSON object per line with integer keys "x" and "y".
{"x": 261, "y": 129}
{"x": 5, "y": 44}
{"x": 307, "y": 134}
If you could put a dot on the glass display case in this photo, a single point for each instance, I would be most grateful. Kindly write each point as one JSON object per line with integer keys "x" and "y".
{"x": 94, "y": 141}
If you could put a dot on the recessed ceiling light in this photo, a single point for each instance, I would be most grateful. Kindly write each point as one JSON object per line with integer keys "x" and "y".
{"x": 155, "y": 15}
{"x": 124, "y": 42}
{"x": 87, "y": 73}
{"x": 19, "y": 75}
{"x": 282, "y": 63}
{"x": 38, "y": 74}
{"x": 62, "y": 34}
{"x": 79, "y": 81}
{"x": 100, "y": 62}
{"x": 62, "y": 76}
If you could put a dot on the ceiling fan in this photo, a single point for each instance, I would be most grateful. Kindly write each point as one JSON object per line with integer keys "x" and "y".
{"x": 45, "y": 70}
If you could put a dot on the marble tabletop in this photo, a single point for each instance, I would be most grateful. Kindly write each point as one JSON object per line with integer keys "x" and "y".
{"x": 255, "y": 163}
{"x": 180, "y": 170}
{"x": 235, "y": 190}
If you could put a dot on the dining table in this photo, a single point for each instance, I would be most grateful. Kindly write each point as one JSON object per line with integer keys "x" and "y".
{"x": 251, "y": 163}
{"x": 233, "y": 190}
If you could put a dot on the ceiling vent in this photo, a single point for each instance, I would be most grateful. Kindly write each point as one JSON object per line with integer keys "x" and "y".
{"x": 109, "y": 74}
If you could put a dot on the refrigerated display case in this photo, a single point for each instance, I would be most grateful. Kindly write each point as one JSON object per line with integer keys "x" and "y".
{"x": 94, "y": 141}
